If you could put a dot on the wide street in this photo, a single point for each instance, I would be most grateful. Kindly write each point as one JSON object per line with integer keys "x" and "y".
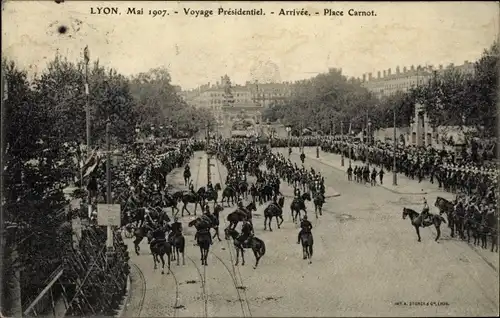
{"x": 367, "y": 262}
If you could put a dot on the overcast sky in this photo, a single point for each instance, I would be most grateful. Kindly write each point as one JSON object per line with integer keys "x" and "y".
{"x": 200, "y": 50}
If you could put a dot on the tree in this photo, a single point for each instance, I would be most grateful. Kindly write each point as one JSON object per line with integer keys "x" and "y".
{"x": 35, "y": 162}
{"x": 158, "y": 103}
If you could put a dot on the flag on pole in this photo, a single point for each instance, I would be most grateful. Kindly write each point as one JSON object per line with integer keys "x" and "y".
{"x": 91, "y": 163}
{"x": 86, "y": 54}
{"x": 6, "y": 91}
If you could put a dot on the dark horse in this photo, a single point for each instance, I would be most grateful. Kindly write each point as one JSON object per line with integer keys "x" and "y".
{"x": 228, "y": 193}
{"x": 445, "y": 206}
{"x": 274, "y": 210}
{"x": 238, "y": 216}
{"x": 140, "y": 233}
{"x": 319, "y": 200}
{"x": 190, "y": 197}
{"x": 243, "y": 188}
{"x": 178, "y": 243}
{"x": 257, "y": 245}
{"x": 298, "y": 204}
{"x": 203, "y": 238}
{"x": 210, "y": 195}
{"x": 307, "y": 245}
{"x": 187, "y": 176}
{"x": 417, "y": 221}
{"x": 159, "y": 249}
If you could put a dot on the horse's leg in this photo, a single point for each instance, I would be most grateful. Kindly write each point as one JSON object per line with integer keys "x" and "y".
{"x": 257, "y": 256}
{"x": 177, "y": 252}
{"x": 438, "y": 230}
{"x": 206, "y": 255}
{"x": 242, "y": 256}
{"x": 201, "y": 253}
{"x": 154, "y": 259}
{"x": 168, "y": 263}
{"x": 418, "y": 232}
{"x": 162, "y": 258}
{"x": 321, "y": 209}
{"x": 281, "y": 218}
{"x": 304, "y": 250}
{"x": 237, "y": 256}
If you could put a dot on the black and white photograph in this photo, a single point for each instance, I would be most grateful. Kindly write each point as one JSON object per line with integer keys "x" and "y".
{"x": 249, "y": 159}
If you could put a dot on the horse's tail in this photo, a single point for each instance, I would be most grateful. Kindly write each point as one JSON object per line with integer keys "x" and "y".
{"x": 182, "y": 244}
{"x": 262, "y": 249}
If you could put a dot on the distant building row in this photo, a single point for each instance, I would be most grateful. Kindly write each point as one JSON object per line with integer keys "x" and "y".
{"x": 250, "y": 95}
{"x": 388, "y": 83}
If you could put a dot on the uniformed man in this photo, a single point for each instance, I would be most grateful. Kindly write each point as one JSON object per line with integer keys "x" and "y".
{"x": 425, "y": 211}
{"x": 246, "y": 233}
{"x": 158, "y": 236}
{"x": 176, "y": 229}
{"x": 305, "y": 227}
{"x": 296, "y": 192}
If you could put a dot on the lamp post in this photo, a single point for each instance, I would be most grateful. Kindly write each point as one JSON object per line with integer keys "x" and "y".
{"x": 268, "y": 126}
{"x": 349, "y": 142}
{"x": 288, "y": 129}
{"x": 369, "y": 136}
{"x": 342, "y": 143}
{"x": 394, "y": 174}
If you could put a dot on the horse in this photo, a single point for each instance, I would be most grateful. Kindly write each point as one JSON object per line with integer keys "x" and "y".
{"x": 140, "y": 233}
{"x": 243, "y": 188}
{"x": 159, "y": 249}
{"x": 239, "y": 216}
{"x": 190, "y": 197}
{"x": 228, "y": 193}
{"x": 212, "y": 195}
{"x": 257, "y": 245}
{"x": 417, "y": 221}
{"x": 445, "y": 206}
{"x": 298, "y": 204}
{"x": 187, "y": 176}
{"x": 178, "y": 243}
{"x": 307, "y": 241}
{"x": 491, "y": 224}
{"x": 203, "y": 238}
{"x": 170, "y": 202}
{"x": 274, "y": 210}
{"x": 319, "y": 200}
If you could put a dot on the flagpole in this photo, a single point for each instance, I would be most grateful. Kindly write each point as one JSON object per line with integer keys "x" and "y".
{"x": 86, "y": 59}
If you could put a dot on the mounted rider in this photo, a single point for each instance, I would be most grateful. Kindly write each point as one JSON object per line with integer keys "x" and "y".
{"x": 425, "y": 211}
{"x": 241, "y": 208}
{"x": 247, "y": 233}
{"x": 296, "y": 193}
{"x": 175, "y": 229}
{"x": 305, "y": 227}
{"x": 206, "y": 223}
{"x": 158, "y": 235}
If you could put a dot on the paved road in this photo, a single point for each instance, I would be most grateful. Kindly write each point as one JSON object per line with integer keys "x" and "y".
{"x": 366, "y": 259}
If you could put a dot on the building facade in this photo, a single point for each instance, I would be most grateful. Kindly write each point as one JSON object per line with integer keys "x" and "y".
{"x": 388, "y": 83}
{"x": 249, "y": 99}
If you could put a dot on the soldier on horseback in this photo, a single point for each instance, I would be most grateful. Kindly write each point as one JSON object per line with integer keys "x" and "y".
{"x": 305, "y": 227}
{"x": 296, "y": 193}
{"x": 158, "y": 236}
{"x": 246, "y": 233}
{"x": 206, "y": 221}
{"x": 425, "y": 212}
{"x": 175, "y": 229}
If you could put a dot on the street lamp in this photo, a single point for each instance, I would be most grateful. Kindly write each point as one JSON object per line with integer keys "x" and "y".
{"x": 268, "y": 125}
{"x": 369, "y": 138}
{"x": 394, "y": 175}
{"x": 288, "y": 129}
{"x": 342, "y": 143}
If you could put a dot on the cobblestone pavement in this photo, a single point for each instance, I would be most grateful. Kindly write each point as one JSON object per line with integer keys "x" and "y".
{"x": 367, "y": 262}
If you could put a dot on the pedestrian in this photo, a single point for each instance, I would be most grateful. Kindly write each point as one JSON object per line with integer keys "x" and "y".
{"x": 381, "y": 175}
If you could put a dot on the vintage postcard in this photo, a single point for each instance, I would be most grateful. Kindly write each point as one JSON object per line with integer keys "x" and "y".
{"x": 249, "y": 159}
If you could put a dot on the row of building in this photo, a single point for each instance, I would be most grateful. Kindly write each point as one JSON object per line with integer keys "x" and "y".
{"x": 387, "y": 82}
{"x": 250, "y": 99}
